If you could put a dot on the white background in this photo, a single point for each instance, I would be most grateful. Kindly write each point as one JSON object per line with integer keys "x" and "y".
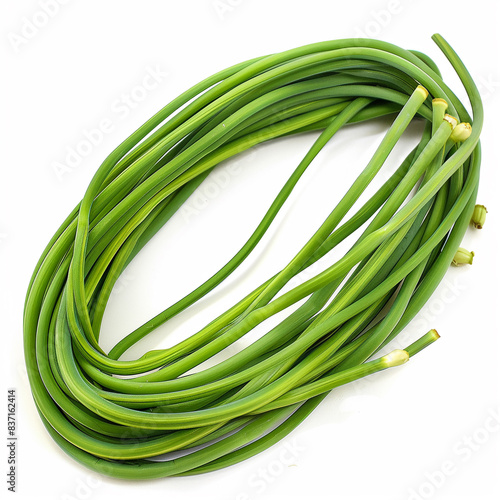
{"x": 385, "y": 438}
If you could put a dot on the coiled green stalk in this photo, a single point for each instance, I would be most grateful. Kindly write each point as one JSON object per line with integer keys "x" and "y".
{"x": 246, "y": 403}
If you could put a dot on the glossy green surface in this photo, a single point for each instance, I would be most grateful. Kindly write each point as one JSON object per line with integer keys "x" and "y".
{"x": 248, "y": 402}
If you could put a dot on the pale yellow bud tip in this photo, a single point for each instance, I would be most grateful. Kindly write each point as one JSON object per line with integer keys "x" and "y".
{"x": 451, "y": 120}
{"x": 423, "y": 90}
{"x": 463, "y": 257}
{"x": 396, "y": 358}
{"x": 440, "y": 103}
{"x": 479, "y": 216}
{"x": 435, "y": 334}
{"x": 461, "y": 132}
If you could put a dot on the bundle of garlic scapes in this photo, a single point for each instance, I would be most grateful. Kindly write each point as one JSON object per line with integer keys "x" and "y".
{"x": 116, "y": 416}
